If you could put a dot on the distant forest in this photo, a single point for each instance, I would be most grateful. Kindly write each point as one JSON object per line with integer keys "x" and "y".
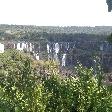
{"x": 53, "y": 33}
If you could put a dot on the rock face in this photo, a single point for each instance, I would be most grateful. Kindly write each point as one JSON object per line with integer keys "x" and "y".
{"x": 67, "y": 53}
{"x": 84, "y": 52}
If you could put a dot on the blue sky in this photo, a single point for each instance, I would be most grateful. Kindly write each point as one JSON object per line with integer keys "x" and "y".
{"x": 55, "y": 12}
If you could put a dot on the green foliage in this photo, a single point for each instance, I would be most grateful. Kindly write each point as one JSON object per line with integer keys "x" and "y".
{"x": 110, "y": 38}
{"x": 51, "y": 33}
{"x": 19, "y": 84}
{"x": 109, "y": 3}
{"x": 24, "y": 89}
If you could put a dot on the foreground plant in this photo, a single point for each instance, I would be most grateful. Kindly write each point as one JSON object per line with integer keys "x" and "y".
{"x": 30, "y": 86}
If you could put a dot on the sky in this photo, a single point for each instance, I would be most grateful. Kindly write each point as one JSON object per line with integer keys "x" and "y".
{"x": 55, "y": 12}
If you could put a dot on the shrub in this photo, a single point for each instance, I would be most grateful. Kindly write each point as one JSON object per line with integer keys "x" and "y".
{"x": 23, "y": 88}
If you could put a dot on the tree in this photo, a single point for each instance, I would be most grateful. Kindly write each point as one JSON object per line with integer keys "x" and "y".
{"x": 109, "y": 38}
{"x": 109, "y": 3}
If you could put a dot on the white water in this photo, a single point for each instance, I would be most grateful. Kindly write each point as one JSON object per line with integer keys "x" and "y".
{"x": 1, "y": 48}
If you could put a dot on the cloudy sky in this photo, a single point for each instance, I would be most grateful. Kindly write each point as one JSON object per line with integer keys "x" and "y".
{"x": 55, "y": 12}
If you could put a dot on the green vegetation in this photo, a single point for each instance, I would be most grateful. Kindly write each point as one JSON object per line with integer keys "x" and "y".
{"x": 27, "y": 85}
{"x": 50, "y": 33}
{"x": 109, "y": 38}
{"x": 109, "y": 3}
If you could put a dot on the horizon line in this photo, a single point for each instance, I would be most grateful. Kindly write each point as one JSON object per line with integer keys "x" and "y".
{"x": 56, "y": 25}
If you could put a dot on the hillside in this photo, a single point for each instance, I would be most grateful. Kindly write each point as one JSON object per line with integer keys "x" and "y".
{"x": 39, "y": 32}
{"x": 56, "y": 29}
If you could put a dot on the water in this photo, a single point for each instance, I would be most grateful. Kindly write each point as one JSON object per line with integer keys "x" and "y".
{"x": 65, "y": 53}
{"x": 1, "y": 48}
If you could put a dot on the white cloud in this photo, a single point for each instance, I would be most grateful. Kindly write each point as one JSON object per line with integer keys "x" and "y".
{"x": 55, "y": 12}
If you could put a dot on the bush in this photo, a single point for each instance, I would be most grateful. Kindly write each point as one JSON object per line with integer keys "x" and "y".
{"x": 23, "y": 88}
